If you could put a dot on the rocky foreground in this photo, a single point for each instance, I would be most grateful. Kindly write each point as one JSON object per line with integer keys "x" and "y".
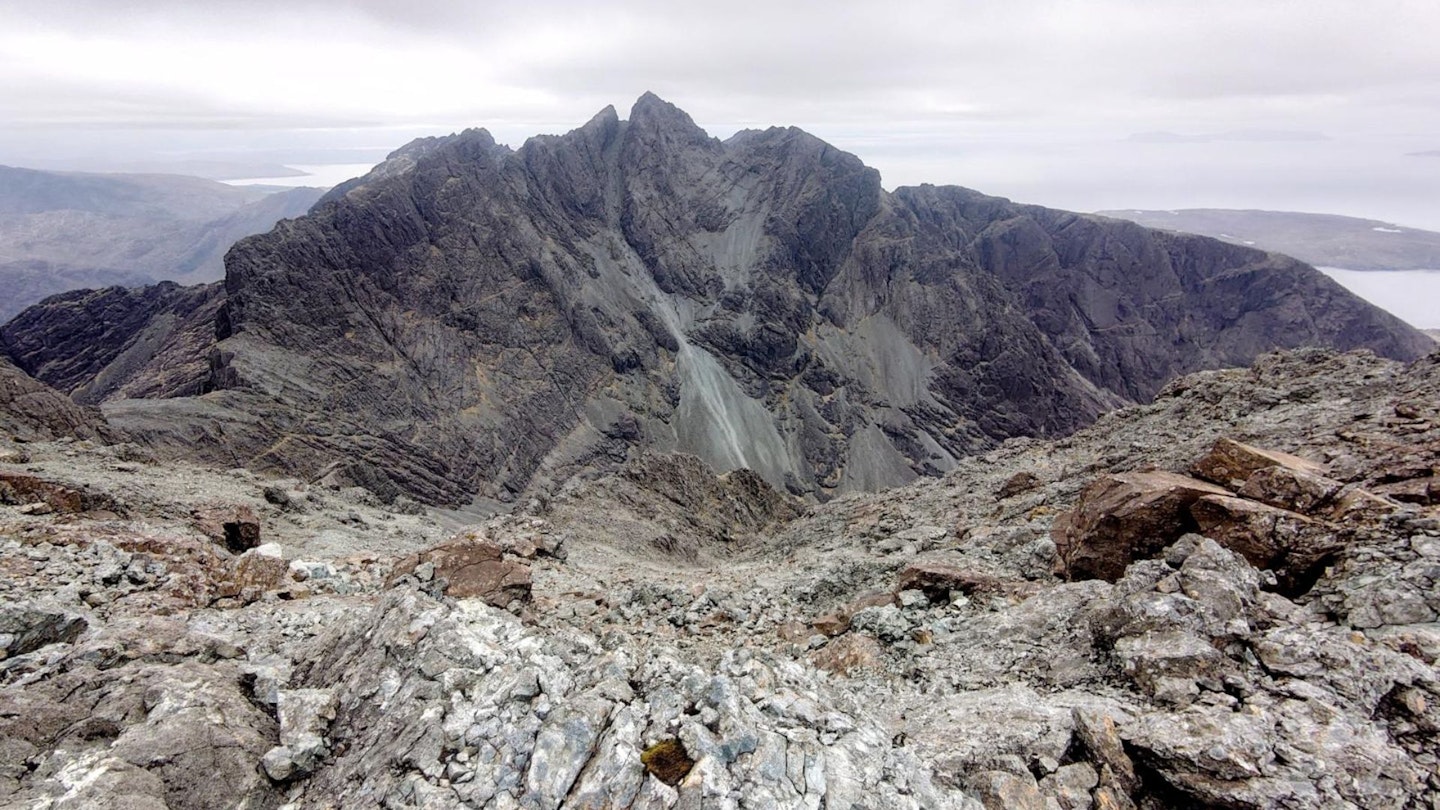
{"x": 1224, "y": 599}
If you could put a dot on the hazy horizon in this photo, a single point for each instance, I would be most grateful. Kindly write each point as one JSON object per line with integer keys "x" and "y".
{"x": 1314, "y": 106}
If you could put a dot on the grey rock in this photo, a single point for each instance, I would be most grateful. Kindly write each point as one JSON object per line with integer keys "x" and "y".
{"x": 680, "y": 293}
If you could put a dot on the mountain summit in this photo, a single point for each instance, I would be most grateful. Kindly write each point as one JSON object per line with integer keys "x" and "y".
{"x": 470, "y": 320}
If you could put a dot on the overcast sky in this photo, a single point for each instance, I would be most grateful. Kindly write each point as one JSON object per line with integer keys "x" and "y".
{"x": 1310, "y": 102}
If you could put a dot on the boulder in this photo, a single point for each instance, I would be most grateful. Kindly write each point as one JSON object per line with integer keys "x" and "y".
{"x": 939, "y": 580}
{"x": 1287, "y": 488}
{"x": 1125, "y": 517}
{"x": 1230, "y": 463}
{"x": 469, "y": 569}
{"x": 236, "y": 527}
{"x": 1288, "y": 543}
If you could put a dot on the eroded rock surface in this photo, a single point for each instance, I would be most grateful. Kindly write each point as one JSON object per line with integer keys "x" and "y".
{"x": 474, "y": 320}
{"x": 959, "y": 672}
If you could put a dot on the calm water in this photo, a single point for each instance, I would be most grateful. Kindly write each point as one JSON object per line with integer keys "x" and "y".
{"x": 322, "y": 175}
{"x": 1413, "y": 295}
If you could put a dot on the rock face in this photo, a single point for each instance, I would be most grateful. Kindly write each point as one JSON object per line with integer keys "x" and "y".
{"x": 31, "y": 410}
{"x": 474, "y": 320}
{"x": 118, "y": 343}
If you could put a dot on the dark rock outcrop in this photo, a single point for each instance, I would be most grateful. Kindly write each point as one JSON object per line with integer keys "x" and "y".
{"x": 118, "y": 343}
{"x": 470, "y": 320}
{"x": 31, "y": 410}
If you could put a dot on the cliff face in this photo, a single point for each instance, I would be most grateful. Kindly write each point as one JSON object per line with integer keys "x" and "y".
{"x": 470, "y": 319}
{"x": 32, "y": 411}
{"x": 118, "y": 343}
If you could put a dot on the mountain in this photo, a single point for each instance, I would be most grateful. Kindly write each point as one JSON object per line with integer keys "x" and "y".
{"x": 1326, "y": 240}
{"x": 61, "y": 231}
{"x": 470, "y": 320}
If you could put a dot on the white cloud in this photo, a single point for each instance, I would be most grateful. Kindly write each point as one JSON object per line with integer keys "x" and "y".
{"x": 929, "y": 82}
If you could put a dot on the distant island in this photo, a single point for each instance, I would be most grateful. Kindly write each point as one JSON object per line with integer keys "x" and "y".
{"x": 1429, "y": 153}
{"x": 1326, "y": 240}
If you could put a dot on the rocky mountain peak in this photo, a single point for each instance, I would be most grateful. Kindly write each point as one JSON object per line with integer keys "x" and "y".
{"x": 468, "y": 320}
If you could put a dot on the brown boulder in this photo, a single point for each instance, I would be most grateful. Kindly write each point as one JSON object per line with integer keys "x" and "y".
{"x": 235, "y": 527}
{"x": 470, "y": 569}
{"x": 1287, "y": 488}
{"x": 1285, "y": 542}
{"x": 938, "y": 580}
{"x": 848, "y": 654}
{"x": 1230, "y": 463}
{"x": 838, "y": 620}
{"x": 1125, "y": 517}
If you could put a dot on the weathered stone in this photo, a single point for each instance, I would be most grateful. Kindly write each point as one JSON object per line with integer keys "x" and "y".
{"x": 472, "y": 570}
{"x": 1125, "y": 517}
{"x": 1230, "y": 463}
{"x": 1286, "y": 542}
{"x": 939, "y": 580}
{"x": 236, "y": 527}
{"x": 1292, "y": 489}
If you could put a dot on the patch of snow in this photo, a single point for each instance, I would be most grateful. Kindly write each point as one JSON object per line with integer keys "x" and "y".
{"x": 1386, "y": 230}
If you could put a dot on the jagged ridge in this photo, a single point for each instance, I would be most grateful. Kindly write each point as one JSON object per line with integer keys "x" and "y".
{"x": 471, "y": 319}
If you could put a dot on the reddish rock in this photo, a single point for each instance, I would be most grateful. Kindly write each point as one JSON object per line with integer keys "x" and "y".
{"x": 1287, "y": 488}
{"x": 1125, "y": 517}
{"x": 1230, "y": 463}
{"x": 938, "y": 580}
{"x": 25, "y": 489}
{"x": 838, "y": 621}
{"x": 470, "y": 569}
{"x": 1285, "y": 542}
{"x": 848, "y": 654}
{"x": 235, "y": 527}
